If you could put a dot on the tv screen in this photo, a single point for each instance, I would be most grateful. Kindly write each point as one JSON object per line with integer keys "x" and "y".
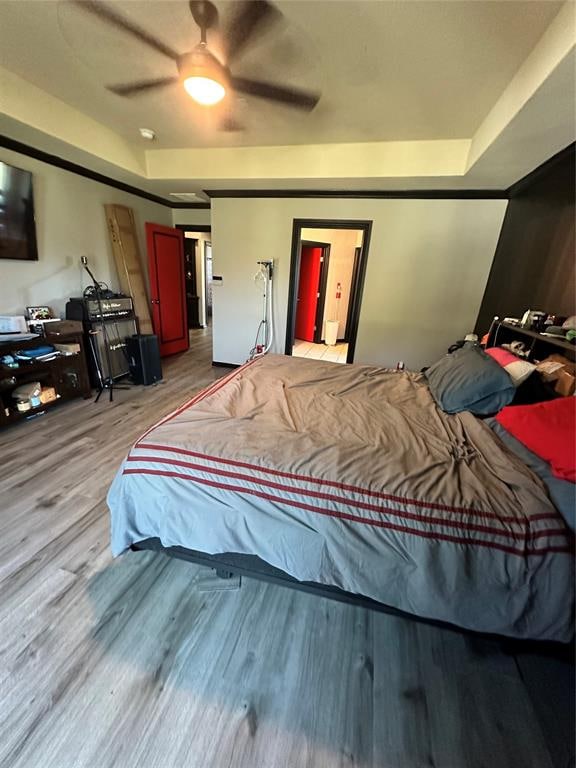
{"x": 17, "y": 226}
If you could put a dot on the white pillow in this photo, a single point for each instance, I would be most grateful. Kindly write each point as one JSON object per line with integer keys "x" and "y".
{"x": 517, "y": 369}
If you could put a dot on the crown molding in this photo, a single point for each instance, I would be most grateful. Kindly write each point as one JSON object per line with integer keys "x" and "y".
{"x": 383, "y": 194}
{"x": 526, "y": 181}
{"x": 66, "y": 165}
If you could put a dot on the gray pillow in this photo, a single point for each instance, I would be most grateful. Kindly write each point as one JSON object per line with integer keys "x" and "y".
{"x": 470, "y": 380}
{"x": 562, "y": 492}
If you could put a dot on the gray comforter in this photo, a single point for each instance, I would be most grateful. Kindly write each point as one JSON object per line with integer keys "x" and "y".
{"x": 351, "y": 476}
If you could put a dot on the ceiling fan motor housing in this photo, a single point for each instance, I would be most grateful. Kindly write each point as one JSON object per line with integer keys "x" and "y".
{"x": 202, "y": 74}
{"x": 201, "y": 63}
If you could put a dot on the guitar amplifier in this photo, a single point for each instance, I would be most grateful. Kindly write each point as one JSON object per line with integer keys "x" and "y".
{"x": 88, "y": 310}
{"x": 113, "y": 336}
{"x": 144, "y": 358}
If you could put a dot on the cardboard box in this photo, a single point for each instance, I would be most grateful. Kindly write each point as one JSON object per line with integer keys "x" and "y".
{"x": 565, "y": 384}
{"x": 48, "y": 395}
{"x": 68, "y": 349}
{"x": 561, "y": 371}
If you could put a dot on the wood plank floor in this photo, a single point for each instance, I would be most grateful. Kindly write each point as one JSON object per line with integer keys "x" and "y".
{"x": 128, "y": 663}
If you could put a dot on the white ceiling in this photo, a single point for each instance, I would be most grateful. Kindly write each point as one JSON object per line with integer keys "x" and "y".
{"x": 394, "y": 70}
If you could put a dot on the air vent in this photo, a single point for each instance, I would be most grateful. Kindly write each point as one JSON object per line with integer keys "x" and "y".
{"x": 188, "y": 197}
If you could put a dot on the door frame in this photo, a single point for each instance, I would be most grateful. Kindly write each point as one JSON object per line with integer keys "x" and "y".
{"x": 206, "y": 283}
{"x": 353, "y": 281}
{"x": 322, "y": 285}
{"x": 355, "y": 295}
{"x": 193, "y": 242}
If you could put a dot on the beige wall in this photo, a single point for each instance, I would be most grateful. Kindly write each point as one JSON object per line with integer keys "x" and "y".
{"x": 342, "y": 247}
{"x": 427, "y": 267}
{"x": 192, "y": 216}
{"x": 70, "y": 223}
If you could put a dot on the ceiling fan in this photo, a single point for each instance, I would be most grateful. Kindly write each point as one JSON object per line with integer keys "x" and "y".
{"x": 206, "y": 79}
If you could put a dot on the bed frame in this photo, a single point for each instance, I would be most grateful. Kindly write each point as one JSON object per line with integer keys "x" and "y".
{"x": 252, "y": 566}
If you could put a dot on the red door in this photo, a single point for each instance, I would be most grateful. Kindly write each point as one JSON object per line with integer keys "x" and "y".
{"x": 308, "y": 285}
{"x": 167, "y": 287}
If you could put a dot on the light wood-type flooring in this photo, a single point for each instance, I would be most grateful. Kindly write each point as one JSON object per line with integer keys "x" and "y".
{"x": 129, "y": 663}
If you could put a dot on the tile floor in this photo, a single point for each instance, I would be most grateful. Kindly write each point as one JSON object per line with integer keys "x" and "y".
{"x": 335, "y": 354}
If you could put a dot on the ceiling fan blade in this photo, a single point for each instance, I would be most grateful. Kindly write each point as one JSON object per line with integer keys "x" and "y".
{"x": 293, "y": 97}
{"x": 109, "y": 15}
{"x": 253, "y": 16}
{"x": 135, "y": 89}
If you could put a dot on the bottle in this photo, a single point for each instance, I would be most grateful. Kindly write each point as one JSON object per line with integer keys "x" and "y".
{"x": 400, "y": 365}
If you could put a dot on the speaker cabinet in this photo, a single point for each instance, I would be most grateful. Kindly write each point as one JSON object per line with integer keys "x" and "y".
{"x": 113, "y": 336}
{"x": 144, "y": 358}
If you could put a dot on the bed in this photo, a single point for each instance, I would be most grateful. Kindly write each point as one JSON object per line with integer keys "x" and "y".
{"x": 349, "y": 478}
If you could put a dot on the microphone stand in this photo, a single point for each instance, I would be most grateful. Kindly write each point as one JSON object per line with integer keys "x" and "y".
{"x": 108, "y": 381}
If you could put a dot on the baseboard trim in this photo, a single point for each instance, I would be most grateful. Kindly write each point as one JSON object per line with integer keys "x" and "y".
{"x": 218, "y": 364}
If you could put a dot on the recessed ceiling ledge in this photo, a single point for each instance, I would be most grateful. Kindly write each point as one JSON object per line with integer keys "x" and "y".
{"x": 556, "y": 45}
{"x": 391, "y": 159}
{"x": 25, "y": 103}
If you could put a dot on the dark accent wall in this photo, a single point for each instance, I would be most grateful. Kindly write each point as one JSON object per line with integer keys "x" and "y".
{"x": 534, "y": 264}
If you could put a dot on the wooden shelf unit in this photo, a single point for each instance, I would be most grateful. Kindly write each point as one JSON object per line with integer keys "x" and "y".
{"x": 67, "y": 374}
{"x": 538, "y": 345}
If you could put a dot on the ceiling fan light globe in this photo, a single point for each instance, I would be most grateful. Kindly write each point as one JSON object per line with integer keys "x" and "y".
{"x": 204, "y": 90}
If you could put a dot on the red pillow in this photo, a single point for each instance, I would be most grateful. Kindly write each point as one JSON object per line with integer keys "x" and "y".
{"x": 548, "y": 430}
{"x": 502, "y": 356}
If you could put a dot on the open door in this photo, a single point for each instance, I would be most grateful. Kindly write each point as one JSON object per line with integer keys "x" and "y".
{"x": 167, "y": 287}
{"x": 308, "y": 292}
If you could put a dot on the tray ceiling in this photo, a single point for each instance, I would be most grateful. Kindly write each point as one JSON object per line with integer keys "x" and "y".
{"x": 388, "y": 71}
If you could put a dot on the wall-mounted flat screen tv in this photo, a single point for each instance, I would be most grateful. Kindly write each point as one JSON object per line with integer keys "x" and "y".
{"x": 17, "y": 226}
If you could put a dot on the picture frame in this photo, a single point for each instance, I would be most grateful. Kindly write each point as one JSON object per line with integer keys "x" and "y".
{"x": 39, "y": 313}
{"x": 17, "y": 221}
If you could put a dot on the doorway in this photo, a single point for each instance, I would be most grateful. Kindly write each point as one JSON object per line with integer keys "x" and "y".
{"x": 196, "y": 237}
{"x": 327, "y": 272}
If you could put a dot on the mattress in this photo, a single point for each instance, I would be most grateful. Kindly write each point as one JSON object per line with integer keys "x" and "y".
{"x": 350, "y": 475}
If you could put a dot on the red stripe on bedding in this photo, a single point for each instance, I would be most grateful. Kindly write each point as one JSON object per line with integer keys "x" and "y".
{"x": 210, "y": 390}
{"x": 347, "y": 516}
{"x": 344, "y": 487}
{"x": 515, "y": 535}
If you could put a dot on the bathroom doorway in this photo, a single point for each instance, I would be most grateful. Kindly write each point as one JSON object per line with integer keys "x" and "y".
{"x": 326, "y": 281}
